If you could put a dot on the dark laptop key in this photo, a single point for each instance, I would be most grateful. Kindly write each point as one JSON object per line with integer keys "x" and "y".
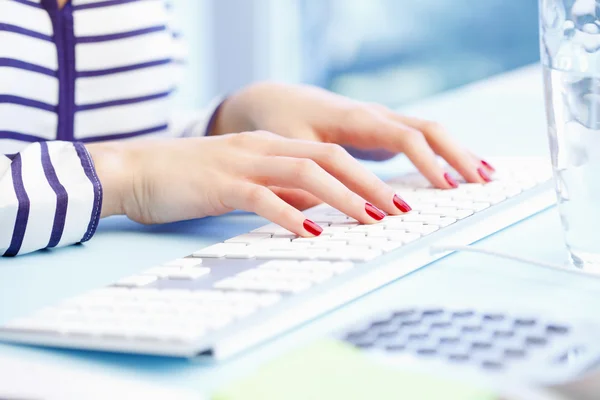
{"x": 410, "y": 323}
{"x": 515, "y": 353}
{"x": 387, "y": 331}
{"x": 536, "y": 340}
{"x": 403, "y": 314}
{"x": 381, "y": 322}
{"x": 503, "y": 334}
{"x": 492, "y": 365}
{"x": 427, "y": 351}
{"x": 463, "y": 314}
{"x": 365, "y": 343}
{"x": 556, "y": 329}
{"x": 481, "y": 345}
{"x": 459, "y": 357}
{"x": 472, "y": 328}
{"x": 418, "y": 336}
{"x": 432, "y": 312}
{"x": 449, "y": 340}
{"x": 441, "y": 325}
{"x": 524, "y": 322}
{"x": 395, "y": 344}
{"x": 493, "y": 317}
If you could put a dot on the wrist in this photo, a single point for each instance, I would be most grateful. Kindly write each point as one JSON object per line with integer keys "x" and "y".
{"x": 110, "y": 162}
{"x": 217, "y": 124}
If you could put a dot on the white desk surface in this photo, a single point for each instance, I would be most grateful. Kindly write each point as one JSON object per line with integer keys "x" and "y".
{"x": 500, "y": 116}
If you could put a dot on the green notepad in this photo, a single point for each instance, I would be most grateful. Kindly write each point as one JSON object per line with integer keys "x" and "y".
{"x": 330, "y": 370}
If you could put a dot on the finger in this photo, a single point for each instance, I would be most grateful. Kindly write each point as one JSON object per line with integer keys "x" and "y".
{"x": 396, "y": 136}
{"x": 297, "y": 198}
{"x": 443, "y": 144}
{"x": 346, "y": 169}
{"x": 478, "y": 160}
{"x": 306, "y": 174}
{"x": 262, "y": 201}
{"x": 372, "y": 128}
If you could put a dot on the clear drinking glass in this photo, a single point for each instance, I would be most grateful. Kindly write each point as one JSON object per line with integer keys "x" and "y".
{"x": 570, "y": 53}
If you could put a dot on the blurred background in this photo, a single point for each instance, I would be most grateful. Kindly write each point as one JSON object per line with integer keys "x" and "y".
{"x": 387, "y": 51}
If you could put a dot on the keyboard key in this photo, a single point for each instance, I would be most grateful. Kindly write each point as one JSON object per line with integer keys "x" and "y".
{"x": 515, "y": 353}
{"x": 413, "y": 227}
{"x": 344, "y": 224}
{"x": 230, "y": 283}
{"x": 279, "y": 264}
{"x": 396, "y": 236}
{"x": 245, "y": 253}
{"x": 445, "y": 221}
{"x": 557, "y": 329}
{"x": 367, "y": 228}
{"x": 270, "y": 285}
{"x": 459, "y": 214}
{"x": 341, "y": 267}
{"x": 291, "y": 254}
{"x": 161, "y": 272}
{"x": 272, "y": 229}
{"x": 333, "y": 219}
{"x": 536, "y": 340}
{"x": 184, "y": 263}
{"x": 290, "y": 236}
{"x": 492, "y": 365}
{"x": 352, "y": 254}
{"x": 258, "y": 273}
{"x": 286, "y": 286}
{"x": 219, "y": 250}
{"x": 525, "y": 322}
{"x": 427, "y": 219}
{"x": 463, "y": 205}
{"x": 249, "y": 238}
{"x": 327, "y": 245}
{"x": 371, "y": 241}
{"x": 208, "y": 296}
{"x": 189, "y": 273}
{"x": 268, "y": 299}
{"x": 386, "y": 246}
{"x": 136, "y": 281}
{"x": 273, "y": 243}
{"x": 311, "y": 240}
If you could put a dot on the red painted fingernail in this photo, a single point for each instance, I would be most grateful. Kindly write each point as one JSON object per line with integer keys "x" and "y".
{"x": 374, "y": 212}
{"x": 488, "y": 165}
{"x": 450, "y": 180}
{"x": 313, "y": 228}
{"x": 401, "y": 204}
{"x": 484, "y": 175}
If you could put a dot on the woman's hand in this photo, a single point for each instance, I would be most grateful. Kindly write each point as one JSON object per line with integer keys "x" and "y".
{"x": 157, "y": 181}
{"x": 304, "y": 112}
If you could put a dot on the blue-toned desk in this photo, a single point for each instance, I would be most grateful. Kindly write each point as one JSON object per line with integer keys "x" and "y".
{"x": 500, "y": 116}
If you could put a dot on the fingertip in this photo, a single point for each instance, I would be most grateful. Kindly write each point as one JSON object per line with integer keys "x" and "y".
{"x": 484, "y": 175}
{"x": 401, "y": 204}
{"x": 450, "y": 180}
{"x": 374, "y": 212}
{"x": 488, "y": 166}
{"x": 312, "y": 228}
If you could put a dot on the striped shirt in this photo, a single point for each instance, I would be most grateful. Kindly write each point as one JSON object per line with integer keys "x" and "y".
{"x": 94, "y": 70}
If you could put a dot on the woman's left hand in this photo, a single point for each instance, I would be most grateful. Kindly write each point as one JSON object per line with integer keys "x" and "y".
{"x": 310, "y": 113}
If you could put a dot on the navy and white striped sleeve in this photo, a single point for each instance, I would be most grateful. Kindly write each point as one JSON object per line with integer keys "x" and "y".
{"x": 50, "y": 196}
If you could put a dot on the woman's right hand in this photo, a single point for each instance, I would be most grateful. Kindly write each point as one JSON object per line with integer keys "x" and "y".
{"x": 166, "y": 180}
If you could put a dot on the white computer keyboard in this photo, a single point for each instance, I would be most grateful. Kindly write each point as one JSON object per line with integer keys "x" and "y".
{"x": 232, "y": 295}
